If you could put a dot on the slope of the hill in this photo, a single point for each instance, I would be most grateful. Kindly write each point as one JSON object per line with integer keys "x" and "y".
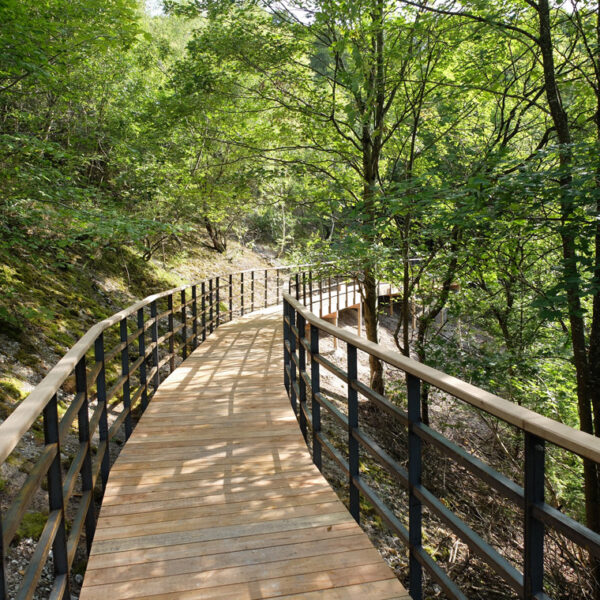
{"x": 46, "y": 307}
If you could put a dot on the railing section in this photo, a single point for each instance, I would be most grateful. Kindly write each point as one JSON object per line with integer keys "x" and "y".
{"x": 302, "y": 364}
{"x": 98, "y": 390}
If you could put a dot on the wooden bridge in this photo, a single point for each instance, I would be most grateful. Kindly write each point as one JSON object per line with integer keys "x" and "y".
{"x": 215, "y": 493}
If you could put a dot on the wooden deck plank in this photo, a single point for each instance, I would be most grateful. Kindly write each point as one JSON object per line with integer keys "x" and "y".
{"x": 215, "y": 495}
{"x": 274, "y": 587}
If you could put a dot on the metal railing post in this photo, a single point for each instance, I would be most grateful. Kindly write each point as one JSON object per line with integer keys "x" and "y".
{"x": 230, "y": 297}
{"x": 320, "y": 295}
{"x": 347, "y": 285}
{"x": 329, "y": 289}
{"x": 195, "y": 315}
{"x": 301, "y": 373}
{"x": 154, "y": 337}
{"x": 142, "y": 352}
{"x": 242, "y": 294}
{"x": 277, "y": 286}
{"x": 310, "y": 288}
{"x": 184, "y": 325}
{"x": 353, "y": 450}
{"x": 210, "y": 306}
{"x": 533, "y": 571}
{"x": 218, "y": 300}
{"x": 297, "y": 279}
{"x": 414, "y": 479}
{"x": 125, "y": 374}
{"x": 266, "y": 288}
{"x": 251, "y": 291}
{"x": 304, "y": 287}
{"x": 203, "y": 308}
{"x": 293, "y": 399}
{"x": 315, "y": 389}
{"x": 55, "y": 494}
{"x": 83, "y": 424}
{"x": 286, "y": 338}
{"x": 101, "y": 399}
{"x": 171, "y": 321}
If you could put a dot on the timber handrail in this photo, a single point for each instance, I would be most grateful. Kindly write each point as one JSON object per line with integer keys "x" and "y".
{"x": 23, "y": 417}
{"x": 579, "y": 442}
{"x": 148, "y": 341}
{"x": 302, "y": 363}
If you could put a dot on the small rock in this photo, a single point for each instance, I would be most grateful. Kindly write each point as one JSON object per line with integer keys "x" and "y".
{"x": 79, "y": 579}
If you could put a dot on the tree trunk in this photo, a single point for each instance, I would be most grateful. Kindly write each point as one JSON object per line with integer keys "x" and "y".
{"x": 428, "y": 317}
{"x": 371, "y": 328}
{"x": 217, "y": 238}
{"x": 583, "y": 362}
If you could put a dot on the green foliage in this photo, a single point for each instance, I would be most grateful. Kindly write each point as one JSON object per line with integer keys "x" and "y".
{"x": 31, "y": 526}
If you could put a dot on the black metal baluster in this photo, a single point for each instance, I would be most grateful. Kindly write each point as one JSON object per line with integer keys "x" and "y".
{"x": 184, "y": 325}
{"x": 125, "y": 374}
{"x": 320, "y": 294}
{"x": 353, "y": 450}
{"x": 231, "y": 297}
{"x": 414, "y": 478}
{"x": 316, "y": 388}
{"x": 533, "y": 572}
{"x": 293, "y": 399}
{"x": 297, "y": 279}
{"x": 154, "y": 336}
{"x": 242, "y": 294}
{"x": 171, "y": 321}
{"x": 101, "y": 397}
{"x": 346, "y": 284}
{"x": 203, "y": 309}
{"x": 266, "y": 288}
{"x": 304, "y": 287}
{"x": 142, "y": 352}
{"x": 302, "y": 372}
{"x": 310, "y": 288}
{"x": 210, "y": 306}
{"x": 286, "y": 337}
{"x": 329, "y": 288}
{"x": 195, "y": 316}
{"x": 55, "y": 497}
{"x": 84, "y": 439}
{"x": 277, "y": 286}
{"x": 252, "y": 291}
{"x": 218, "y": 301}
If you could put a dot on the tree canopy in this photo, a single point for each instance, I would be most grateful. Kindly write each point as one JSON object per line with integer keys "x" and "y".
{"x": 449, "y": 147}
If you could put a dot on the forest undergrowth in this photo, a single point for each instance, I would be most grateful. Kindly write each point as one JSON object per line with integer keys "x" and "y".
{"x": 498, "y": 521}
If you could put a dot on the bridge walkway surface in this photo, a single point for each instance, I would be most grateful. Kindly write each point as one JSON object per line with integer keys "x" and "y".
{"x": 215, "y": 495}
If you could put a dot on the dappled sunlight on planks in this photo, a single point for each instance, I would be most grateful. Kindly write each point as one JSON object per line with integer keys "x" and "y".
{"x": 215, "y": 494}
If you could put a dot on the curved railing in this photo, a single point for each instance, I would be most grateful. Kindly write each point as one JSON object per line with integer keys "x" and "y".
{"x": 103, "y": 384}
{"x": 302, "y": 379}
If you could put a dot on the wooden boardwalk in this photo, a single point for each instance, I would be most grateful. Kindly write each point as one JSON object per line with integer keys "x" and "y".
{"x": 215, "y": 495}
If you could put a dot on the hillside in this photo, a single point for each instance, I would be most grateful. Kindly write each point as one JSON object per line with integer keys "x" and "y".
{"x": 45, "y": 308}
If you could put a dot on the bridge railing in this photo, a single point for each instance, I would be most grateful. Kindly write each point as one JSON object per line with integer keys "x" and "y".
{"x": 302, "y": 363}
{"x": 98, "y": 390}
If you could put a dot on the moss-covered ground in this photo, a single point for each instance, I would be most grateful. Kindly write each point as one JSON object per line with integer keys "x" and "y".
{"x": 45, "y": 307}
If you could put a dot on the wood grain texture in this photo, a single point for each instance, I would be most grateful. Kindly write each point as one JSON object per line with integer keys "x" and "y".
{"x": 215, "y": 495}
